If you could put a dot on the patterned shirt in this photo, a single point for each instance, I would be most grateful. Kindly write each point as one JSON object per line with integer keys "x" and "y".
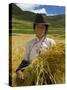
{"x": 35, "y": 46}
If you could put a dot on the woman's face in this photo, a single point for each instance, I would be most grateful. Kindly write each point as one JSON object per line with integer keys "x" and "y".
{"x": 40, "y": 30}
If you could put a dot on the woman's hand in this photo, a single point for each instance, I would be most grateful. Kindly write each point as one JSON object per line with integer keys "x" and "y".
{"x": 20, "y": 74}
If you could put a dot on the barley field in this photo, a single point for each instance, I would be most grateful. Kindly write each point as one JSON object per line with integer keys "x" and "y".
{"x": 19, "y": 42}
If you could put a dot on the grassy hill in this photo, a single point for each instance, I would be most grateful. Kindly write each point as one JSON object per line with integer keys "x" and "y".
{"x": 22, "y": 21}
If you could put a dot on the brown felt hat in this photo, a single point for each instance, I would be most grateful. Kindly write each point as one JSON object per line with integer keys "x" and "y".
{"x": 40, "y": 18}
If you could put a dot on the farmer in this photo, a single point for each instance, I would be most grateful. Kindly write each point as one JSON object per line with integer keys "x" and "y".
{"x": 38, "y": 44}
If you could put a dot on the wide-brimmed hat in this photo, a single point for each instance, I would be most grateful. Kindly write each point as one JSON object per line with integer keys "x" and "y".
{"x": 40, "y": 18}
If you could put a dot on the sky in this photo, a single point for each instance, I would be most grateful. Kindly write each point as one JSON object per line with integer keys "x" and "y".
{"x": 45, "y": 9}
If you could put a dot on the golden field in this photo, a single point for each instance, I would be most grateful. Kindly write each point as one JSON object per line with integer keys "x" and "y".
{"x": 19, "y": 42}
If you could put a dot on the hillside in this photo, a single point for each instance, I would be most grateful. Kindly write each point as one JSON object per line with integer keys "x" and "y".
{"x": 21, "y": 15}
{"x": 24, "y": 20}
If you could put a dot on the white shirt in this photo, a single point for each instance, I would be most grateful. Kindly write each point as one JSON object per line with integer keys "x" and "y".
{"x": 34, "y": 47}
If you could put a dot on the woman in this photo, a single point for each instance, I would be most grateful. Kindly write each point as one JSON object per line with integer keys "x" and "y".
{"x": 38, "y": 44}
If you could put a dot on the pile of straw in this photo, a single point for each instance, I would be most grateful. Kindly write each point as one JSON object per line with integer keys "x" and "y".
{"x": 48, "y": 68}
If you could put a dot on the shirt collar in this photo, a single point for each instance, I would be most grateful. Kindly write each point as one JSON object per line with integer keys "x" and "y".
{"x": 37, "y": 39}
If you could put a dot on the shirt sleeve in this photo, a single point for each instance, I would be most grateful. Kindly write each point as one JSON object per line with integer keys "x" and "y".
{"x": 27, "y": 51}
{"x": 52, "y": 42}
{"x": 25, "y": 62}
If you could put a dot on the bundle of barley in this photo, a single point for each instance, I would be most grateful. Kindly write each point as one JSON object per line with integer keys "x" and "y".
{"x": 47, "y": 69}
{"x": 55, "y": 57}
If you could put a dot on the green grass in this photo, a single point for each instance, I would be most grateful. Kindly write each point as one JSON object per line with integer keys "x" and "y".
{"x": 23, "y": 31}
{"x": 26, "y": 27}
{"x": 22, "y": 22}
{"x": 31, "y": 31}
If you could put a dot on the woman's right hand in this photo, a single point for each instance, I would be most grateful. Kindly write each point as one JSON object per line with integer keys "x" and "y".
{"x": 20, "y": 74}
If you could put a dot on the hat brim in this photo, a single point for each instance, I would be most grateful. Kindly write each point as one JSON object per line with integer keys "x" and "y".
{"x": 42, "y": 23}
